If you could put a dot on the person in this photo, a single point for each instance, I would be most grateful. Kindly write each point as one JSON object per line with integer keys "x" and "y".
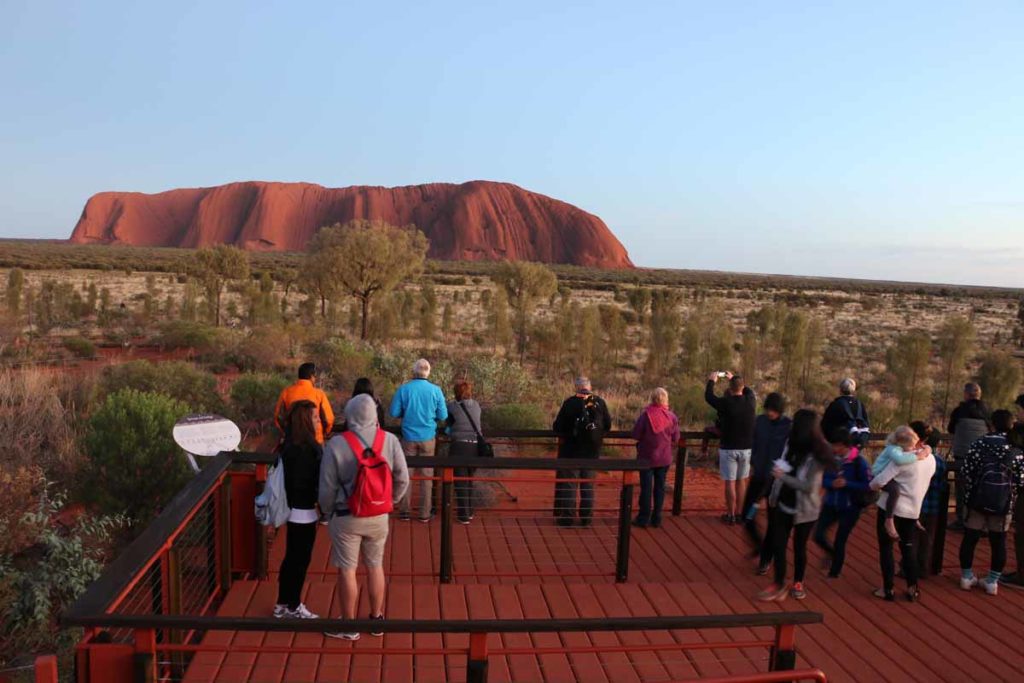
{"x": 736, "y": 409}
{"x": 463, "y": 431}
{"x": 968, "y": 422}
{"x": 1015, "y": 579}
{"x": 656, "y": 432}
{"x": 304, "y": 389}
{"x": 931, "y": 507}
{"x": 993, "y": 471}
{"x": 771, "y": 429}
{"x": 848, "y": 412}
{"x": 352, "y": 535}
{"x": 420, "y": 405}
{"x": 581, "y": 424}
{"x": 795, "y": 502}
{"x": 363, "y": 385}
{"x": 845, "y": 491}
{"x": 300, "y": 458}
{"x": 913, "y": 481}
{"x": 903, "y": 447}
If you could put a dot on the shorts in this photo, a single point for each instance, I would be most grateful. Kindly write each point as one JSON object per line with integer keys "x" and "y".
{"x": 352, "y": 535}
{"x": 979, "y": 521}
{"x": 734, "y": 464}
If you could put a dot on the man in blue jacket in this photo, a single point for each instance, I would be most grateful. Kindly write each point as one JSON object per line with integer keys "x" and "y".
{"x": 420, "y": 405}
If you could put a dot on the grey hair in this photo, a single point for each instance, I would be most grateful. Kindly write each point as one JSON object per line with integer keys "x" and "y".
{"x": 583, "y": 383}
{"x": 847, "y": 386}
{"x": 660, "y": 396}
{"x": 421, "y": 368}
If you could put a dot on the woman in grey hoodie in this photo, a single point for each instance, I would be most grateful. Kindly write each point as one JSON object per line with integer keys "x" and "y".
{"x": 795, "y": 502}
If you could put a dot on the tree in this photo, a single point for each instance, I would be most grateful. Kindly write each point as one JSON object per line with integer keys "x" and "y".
{"x": 1000, "y": 378}
{"x": 615, "y": 333}
{"x": 955, "y": 341}
{"x": 428, "y": 312}
{"x": 664, "y": 321}
{"x": 215, "y": 268}
{"x": 501, "y": 327}
{"x": 907, "y": 361}
{"x": 525, "y": 284}
{"x": 364, "y": 258}
{"x": 15, "y": 286}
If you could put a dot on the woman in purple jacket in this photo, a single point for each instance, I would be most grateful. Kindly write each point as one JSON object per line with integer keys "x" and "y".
{"x": 656, "y": 432}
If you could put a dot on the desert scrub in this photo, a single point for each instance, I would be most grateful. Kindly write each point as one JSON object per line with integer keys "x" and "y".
{"x": 80, "y": 347}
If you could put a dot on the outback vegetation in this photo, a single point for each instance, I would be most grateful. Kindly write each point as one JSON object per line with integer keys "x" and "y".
{"x": 103, "y": 348}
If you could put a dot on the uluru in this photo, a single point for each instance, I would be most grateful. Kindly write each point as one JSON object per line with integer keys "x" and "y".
{"x": 477, "y": 220}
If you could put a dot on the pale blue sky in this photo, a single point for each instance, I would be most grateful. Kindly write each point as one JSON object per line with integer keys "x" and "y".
{"x": 865, "y": 139}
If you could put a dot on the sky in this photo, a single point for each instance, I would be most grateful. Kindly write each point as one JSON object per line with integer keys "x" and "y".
{"x": 854, "y": 139}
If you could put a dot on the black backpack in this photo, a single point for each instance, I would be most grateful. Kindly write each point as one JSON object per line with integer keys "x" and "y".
{"x": 588, "y": 428}
{"x": 992, "y": 486}
{"x": 856, "y": 424}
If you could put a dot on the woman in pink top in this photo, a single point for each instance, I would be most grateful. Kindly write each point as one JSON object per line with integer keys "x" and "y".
{"x": 656, "y": 432}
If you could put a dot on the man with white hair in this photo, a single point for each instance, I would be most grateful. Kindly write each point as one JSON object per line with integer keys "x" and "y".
{"x": 581, "y": 425}
{"x": 846, "y": 411}
{"x": 420, "y": 405}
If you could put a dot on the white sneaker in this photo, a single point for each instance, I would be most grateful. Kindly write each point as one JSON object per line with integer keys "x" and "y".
{"x": 341, "y": 635}
{"x": 280, "y": 611}
{"x": 301, "y": 612}
{"x": 991, "y": 587}
{"x": 968, "y": 584}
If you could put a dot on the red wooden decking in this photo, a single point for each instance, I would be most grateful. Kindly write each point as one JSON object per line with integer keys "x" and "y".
{"x": 692, "y": 565}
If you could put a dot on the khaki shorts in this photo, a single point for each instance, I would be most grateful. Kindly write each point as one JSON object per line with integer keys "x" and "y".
{"x": 979, "y": 521}
{"x": 350, "y": 535}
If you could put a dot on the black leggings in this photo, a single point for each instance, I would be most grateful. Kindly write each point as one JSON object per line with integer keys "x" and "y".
{"x": 907, "y": 529}
{"x": 996, "y": 541}
{"x": 298, "y": 550}
{"x": 782, "y": 524}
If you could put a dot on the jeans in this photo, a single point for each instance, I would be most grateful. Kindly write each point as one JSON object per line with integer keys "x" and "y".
{"x": 847, "y": 520}
{"x": 782, "y": 525}
{"x": 996, "y": 541}
{"x": 907, "y": 529}
{"x": 925, "y": 542}
{"x": 566, "y": 495}
{"x": 425, "y": 488}
{"x": 958, "y": 485}
{"x": 463, "y": 489}
{"x": 298, "y": 550}
{"x": 652, "y": 484}
{"x": 756, "y": 490}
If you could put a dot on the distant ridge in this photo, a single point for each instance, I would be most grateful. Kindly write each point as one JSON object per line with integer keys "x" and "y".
{"x": 475, "y": 221}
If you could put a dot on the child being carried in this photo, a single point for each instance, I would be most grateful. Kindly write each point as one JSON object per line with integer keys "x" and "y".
{"x": 903, "y": 447}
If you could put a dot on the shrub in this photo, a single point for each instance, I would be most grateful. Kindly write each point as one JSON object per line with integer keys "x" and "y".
{"x": 185, "y": 334}
{"x": 340, "y": 362}
{"x": 36, "y": 418}
{"x": 134, "y": 465}
{"x": 255, "y": 395}
{"x": 80, "y": 347}
{"x": 264, "y": 348}
{"x": 515, "y": 416}
{"x": 179, "y": 380}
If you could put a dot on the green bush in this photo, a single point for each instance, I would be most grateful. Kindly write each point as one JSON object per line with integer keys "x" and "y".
{"x": 255, "y": 395}
{"x": 80, "y": 347}
{"x": 263, "y": 349}
{"x": 134, "y": 467}
{"x": 340, "y": 362}
{"x": 179, "y": 380}
{"x": 185, "y": 334}
{"x": 515, "y": 416}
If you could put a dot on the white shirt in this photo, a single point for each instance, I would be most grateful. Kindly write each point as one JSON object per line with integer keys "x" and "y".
{"x": 302, "y": 516}
{"x": 913, "y": 480}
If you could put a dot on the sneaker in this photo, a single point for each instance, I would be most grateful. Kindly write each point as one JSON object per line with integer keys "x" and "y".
{"x": 341, "y": 635}
{"x": 638, "y": 523}
{"x": 426, "y": 520}
{"x": 913, "y": 594}
{"x": 798, "y": 591}
{"x": 301, "y": 612}
{"x": 404, "y": 516}
{"x": 728, "y": 519}
{"x": 991, "y": 587}
{"x": 465, "y": 520}
{"x": 968, "y": 584}
{"x": 379, "y": 617}
{"x": 280, "y": 611}
{"x": 773, "y": 593}
{"x": 1012, "y": 580}
{"x": 584, "y": 522}
{"x": 888, "y": 596}
{"x": 762, "y": 569}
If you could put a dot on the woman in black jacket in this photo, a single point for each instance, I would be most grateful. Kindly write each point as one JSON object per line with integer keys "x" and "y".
{"x": 300, "y": 458}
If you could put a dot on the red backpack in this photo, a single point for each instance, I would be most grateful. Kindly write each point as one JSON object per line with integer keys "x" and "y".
{"x": 371, "y": 494}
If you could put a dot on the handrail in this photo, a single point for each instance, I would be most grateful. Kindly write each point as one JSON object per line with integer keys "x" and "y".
{"x": 212, "y": 623}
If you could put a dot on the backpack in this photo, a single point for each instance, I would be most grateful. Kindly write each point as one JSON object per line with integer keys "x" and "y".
{"x": 587, "y": 427}
{"x": 371, "y": 493}
{"x": 992, "y": 486}
{"x": 857, "y": 424}
{"x": 272, "y": 504}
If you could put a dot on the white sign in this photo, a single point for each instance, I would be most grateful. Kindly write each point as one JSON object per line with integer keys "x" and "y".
{"x": 206, "y": 435}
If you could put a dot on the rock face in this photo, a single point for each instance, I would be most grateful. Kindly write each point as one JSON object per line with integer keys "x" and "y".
{"x": 473, "y": 221}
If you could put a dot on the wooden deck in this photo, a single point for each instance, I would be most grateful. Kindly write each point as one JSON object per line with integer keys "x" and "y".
{"x": 692, "y": 565}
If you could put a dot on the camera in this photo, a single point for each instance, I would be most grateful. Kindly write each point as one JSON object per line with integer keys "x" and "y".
{"x": 722, "y": 374}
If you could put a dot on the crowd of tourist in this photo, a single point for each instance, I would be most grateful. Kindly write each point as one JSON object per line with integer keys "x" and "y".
{"x": 808, "y": 472}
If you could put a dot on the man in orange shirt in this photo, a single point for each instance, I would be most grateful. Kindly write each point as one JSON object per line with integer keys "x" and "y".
{"x": 304, "y": 390}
